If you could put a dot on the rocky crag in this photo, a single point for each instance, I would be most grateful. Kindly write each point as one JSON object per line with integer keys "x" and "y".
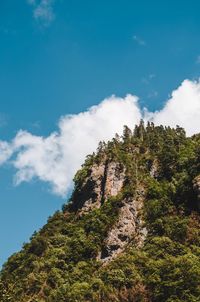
{"x": 106, "y": 180}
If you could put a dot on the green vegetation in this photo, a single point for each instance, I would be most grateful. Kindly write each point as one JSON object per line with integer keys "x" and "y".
{"x": 60, "y": 263}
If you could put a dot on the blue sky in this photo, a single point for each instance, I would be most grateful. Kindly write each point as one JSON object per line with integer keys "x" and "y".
{"x": 71, "y": 57}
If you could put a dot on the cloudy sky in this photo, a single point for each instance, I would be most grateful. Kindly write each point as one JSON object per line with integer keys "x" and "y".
{"x": 73, "y": 73}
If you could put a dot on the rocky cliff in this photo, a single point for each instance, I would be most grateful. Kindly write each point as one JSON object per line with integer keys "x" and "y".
{"x": 104, "y": 181}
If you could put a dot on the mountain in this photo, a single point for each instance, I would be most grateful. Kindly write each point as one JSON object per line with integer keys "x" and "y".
{"x": 129, "y": 233}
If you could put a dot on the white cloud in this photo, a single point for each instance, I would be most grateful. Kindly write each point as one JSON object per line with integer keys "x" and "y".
{"x": 183, "y": 108}
{"x": 43, "y": 10}
{"x": 55, "y": 158}
{"x": 6, "y": 151}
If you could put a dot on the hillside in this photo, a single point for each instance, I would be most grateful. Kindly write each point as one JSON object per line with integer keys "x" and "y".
{"x": 129, "y": 233}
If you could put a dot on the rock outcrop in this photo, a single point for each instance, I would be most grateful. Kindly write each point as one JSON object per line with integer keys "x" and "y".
{"x": 196, "y": 186}
{"x": 128, "y": 228}
{"x": 104, "y": 180}
{"x": 154, "y": 169}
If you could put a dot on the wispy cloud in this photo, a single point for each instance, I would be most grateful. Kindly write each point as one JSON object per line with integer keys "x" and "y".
{"x": 147, "y": 79}
{"x": 54, "y": 159}
{"x": 198, "y": 60}
{"x": 3, "y": 120}
{"x": 35, "y": 125}
{"x": 43, "y": 10}
{"x": 152, "y": 94}
{"x": 139, "y": 40}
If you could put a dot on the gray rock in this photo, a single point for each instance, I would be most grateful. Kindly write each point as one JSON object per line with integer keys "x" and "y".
{"x": 106, "y": 180}
{"x": 128, "y": 228}
{"x": 196, "y": 186}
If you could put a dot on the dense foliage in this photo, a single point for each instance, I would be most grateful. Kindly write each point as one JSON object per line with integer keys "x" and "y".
{"x": 60, "y": 264}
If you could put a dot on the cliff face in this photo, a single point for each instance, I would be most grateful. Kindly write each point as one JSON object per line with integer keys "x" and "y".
{"x": 129, "y": 233}
{"x": 128, "y": 228}
{"x": 104, "y": 181}
{"x": 196, "y": 186}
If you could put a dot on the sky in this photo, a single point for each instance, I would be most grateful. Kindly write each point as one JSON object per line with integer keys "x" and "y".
{"x": 73, "y": 73}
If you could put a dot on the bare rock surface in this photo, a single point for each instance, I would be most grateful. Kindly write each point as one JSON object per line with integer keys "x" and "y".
{"x": 196, "y": 186}
{"x": 129, "y": 227}
{"x": 154, "y": 169}
{"x": 105, "y": 180}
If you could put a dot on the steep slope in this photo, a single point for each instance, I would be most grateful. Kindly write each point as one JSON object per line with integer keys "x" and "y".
{"x": 130, "y": 232}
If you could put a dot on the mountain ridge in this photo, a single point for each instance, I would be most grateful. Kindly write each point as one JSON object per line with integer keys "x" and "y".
{"x": 130, "y": 231}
